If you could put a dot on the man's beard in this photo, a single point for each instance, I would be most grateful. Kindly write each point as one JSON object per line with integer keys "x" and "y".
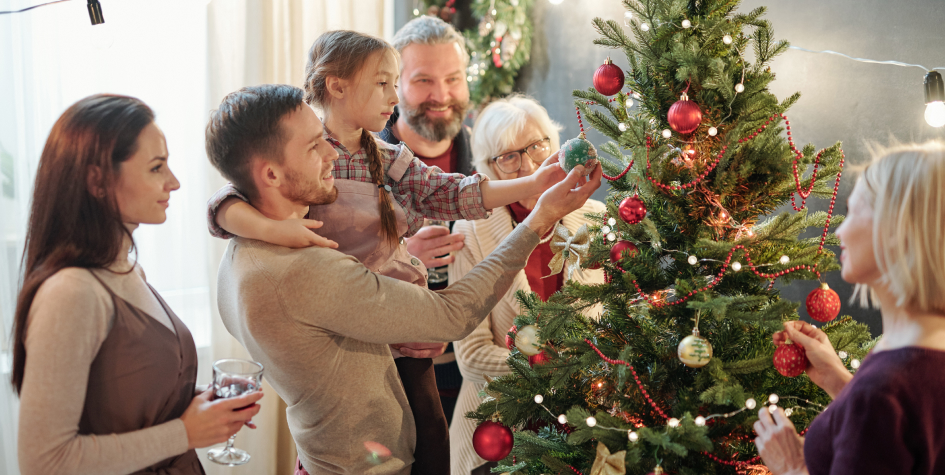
{"x": 435, "y": 130}
{"x": 307, "y": 192}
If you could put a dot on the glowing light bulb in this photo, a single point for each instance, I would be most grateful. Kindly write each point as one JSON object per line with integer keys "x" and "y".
{"x": 713, "y": 131}
{"x": 539, "y": 399}
{"x": 935, "y": 113}
{"x": 739, "y": 87}
{"x": 772, "y": 409}
{"x": 628, "y": 15}
{"x": 788, "y": 412}
{"x": 784, "y": 260}
{"x": 736, "y": 266}
{"x": 416, "y": 12}
{"x": 674, "y": 422}
{"x": 494, "y": 12}
{"x": 622, "y": 127}
{"x": 562, "y": 419}
{"x": 667, "y": 133}
{"x": 644, "y": 27}
{"x": 612, "y": 221}
{"x": 751, "y": 403}
{"x": 842, "y": 354}
{"x": 591, "y": 421}
{"x": 686, "y": 24}
{"x": 855, "y": 364}
{"x": 727, "y": 39}
{"x": 773, "y": 399}
{"x": 632, "y": 436}
{"x": 700, "y": 421}
{"x": 693, "y": 260}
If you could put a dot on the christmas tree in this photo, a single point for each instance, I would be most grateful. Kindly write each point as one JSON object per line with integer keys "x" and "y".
{"x": 700, "y": 160}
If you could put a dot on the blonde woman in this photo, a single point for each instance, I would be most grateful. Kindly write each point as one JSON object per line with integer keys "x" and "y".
{"x": 886, "y": 419}
{"x": 511, "y": 138}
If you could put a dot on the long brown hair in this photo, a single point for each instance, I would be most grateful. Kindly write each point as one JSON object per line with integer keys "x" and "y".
{"x": 342, "y": 54}
{"x": 71, "y": 225}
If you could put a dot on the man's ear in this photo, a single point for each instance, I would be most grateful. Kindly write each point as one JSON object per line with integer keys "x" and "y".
{"x": 94, "y": 180}
{"x": 336, "y": 87}
{"x": 266, "y": 174}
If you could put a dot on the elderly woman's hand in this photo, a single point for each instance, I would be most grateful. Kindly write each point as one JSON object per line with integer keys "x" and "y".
{"x": 826, "y": 370}
{"x": 779, "y": 445}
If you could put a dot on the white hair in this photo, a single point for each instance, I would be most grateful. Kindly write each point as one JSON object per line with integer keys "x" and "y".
{"x": 500, "y": 124}
{"x": 428, "y": 30}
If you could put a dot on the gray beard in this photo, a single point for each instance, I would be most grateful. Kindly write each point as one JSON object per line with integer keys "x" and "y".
{"x": 430, "y": 129}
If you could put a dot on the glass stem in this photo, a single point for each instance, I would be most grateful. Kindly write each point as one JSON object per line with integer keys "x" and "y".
{"x": 229, "y": 443}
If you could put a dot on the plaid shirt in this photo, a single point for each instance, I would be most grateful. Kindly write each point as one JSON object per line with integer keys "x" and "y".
{"x": 422, "y": 191}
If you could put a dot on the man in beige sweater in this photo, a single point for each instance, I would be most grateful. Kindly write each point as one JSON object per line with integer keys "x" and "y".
{"x": 319, "y": 320}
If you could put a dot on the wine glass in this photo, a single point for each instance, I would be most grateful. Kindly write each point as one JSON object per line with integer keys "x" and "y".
{"x": 437, "y": 275}
{"x": 232, "y": 378}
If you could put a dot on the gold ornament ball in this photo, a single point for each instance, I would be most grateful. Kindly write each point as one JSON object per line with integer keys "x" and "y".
{"x": 694, "y": 351}
{"x": 526, "y": 340}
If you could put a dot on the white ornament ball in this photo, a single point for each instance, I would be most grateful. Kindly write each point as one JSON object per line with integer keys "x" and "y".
{"x": 727, "y": 39}
{"x": 686, "y": 24}
{"x": 605, "y": 229}
{"x": 673, "y": 422}
{"x": 628, "y": 104}
{"x": 784, "y": 260}
{"x": 772, "y": 409}
{"x": 539, "y": 399}
{"x": 632, "y": 436}
{"x": 736, "y": 266}
{"x": 750, "y": 403}
{"x": 694, "y": 351}
{"x": 713, "y": 131}
{"x": 644, "y": 27}
{"x": 628, "y": 15}
{"x": 622, "y": 127}
{"x": 611, "y": 237}
{"x": 700, "y": 421}
{"x": 842, "y": 354}
{"x": 611, "y": 221}
{"x": 526, "y": 340}
{"x": 788, "y": 412}
{"x": 591, "y": 421}
{"x": 855, "y": 364}
{"x": 416, "y": 12}
{"x": 773, "y": 399}
{"x": 667, "y": 133}
{"x": 693, "y": 260}
{"x": 562, "y": 419}
{"x": 739, "y": 87}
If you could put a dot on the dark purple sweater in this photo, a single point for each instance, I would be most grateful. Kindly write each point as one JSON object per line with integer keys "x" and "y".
{"x": 890, "y": 419}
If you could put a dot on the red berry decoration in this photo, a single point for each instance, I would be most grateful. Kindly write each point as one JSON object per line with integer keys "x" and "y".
{"x": 493, "y": 441}
{"x": 540, "y": 358}
{"x": 608, "y": 80}
{"x": 632, "y": 209}
{"x": 684, "y": 116}
{"x": 620, "y": 249}
{"x": 790, "y": 359}
{"x": 823, "y": 304}
{"x": 509, "y": 338}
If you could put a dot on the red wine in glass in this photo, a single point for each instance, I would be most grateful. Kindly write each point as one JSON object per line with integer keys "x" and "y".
{"x": 233, "y": 378}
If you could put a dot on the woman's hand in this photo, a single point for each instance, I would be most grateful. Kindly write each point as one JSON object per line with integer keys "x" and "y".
{"x": 211, "y": 422}
{"x": 779, "y": 445}
{"x": 826, "y": 370}
{"x": 296, "y": 233}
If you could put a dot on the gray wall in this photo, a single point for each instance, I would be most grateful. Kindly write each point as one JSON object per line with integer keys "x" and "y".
{"x": 842, "y": 100}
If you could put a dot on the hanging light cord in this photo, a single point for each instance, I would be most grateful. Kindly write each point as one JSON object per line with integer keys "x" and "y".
{"x": 864, "y": 60}
{"x": 30, "y": 8}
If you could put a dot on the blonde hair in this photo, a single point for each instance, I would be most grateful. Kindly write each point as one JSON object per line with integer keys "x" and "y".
{"x": 906, "y": 186}
{"x": 341, "y": 54}
{"x": 500, "y": 124}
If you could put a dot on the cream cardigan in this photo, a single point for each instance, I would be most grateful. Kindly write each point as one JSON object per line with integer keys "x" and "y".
{"x": 483, "y": 352}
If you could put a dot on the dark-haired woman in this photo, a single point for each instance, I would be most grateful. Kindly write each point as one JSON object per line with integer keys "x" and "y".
{"x": 104, "y": 369}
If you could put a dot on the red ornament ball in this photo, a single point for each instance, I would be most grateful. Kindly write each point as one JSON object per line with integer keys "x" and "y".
{"x": 684, "y": 116}
{"x": 620, "y": 249}
{"x": 632, "y": 209}
{"x": 823, "y": 304}
{"x": 608, "y": 79}
{"x": 540, "y": 358}
{"x": 790, "y": 359}
{"x": 493, "y": 441}
{"x": 510, "y": 337}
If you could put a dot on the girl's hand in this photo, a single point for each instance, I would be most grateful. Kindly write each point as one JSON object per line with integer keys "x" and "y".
{"x": 549, "y": 173}
{"x": 826, "y": 369}
{"x": 296, "y": 233}
{"x": 212, "y": 422}
{"x": 779, "y": 445}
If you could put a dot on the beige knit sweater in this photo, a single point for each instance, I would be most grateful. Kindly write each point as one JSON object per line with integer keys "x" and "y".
{"x": 320, "y": 322}
{"x": 483, "y": 352}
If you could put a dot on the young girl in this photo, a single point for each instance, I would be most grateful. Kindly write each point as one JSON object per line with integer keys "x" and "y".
{"x": 384, "y": 193}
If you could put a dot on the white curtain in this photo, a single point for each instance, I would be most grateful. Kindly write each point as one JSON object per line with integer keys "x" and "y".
{"x": 181, "y": 57}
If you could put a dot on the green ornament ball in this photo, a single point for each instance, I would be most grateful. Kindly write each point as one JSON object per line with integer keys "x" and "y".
{"x": 577, "y": 151}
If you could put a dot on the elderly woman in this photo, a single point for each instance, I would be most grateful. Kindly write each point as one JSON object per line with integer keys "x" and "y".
{"x": 887, "y": 419}
{"x": 510, "y": 139}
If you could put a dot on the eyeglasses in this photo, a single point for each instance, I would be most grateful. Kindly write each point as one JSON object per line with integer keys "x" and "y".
{"x": 511, "y": 162}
